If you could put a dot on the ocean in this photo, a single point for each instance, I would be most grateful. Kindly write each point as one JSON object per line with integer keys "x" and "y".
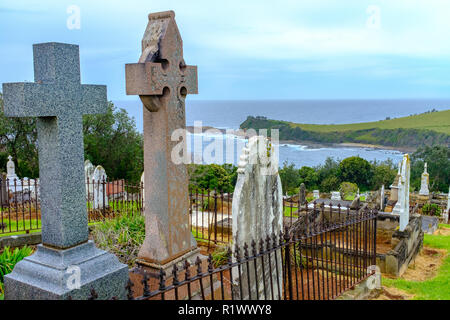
{"x": 230, "y": 114}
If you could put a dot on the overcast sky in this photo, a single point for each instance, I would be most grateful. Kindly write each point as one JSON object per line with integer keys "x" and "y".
{"x": 251, "y": 49}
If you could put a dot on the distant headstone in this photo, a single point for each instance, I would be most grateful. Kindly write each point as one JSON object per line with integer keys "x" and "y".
{"x": 335, "y": 195}
{"x": 143, "y": 187}
{"x": 316, "y": 194}
{"x": 402, "y": 205}
{"x": 257, "y": 209}
{"x": 447, "y": 211}
{"x": 99, "y": 179}
{"x": 162, "y": 80}
{"x": 394, "y": 185}
{"x": 382, "y": 195}
{"x": 4, "y": 190}
{"x": 66, "y": 264}
{"x": 302, "y": 194}
{"x": 355, "y": 203}
{"x": 424, "y": 182}
{"x": 13, "y": 181}
{"x": 88, "y": 175}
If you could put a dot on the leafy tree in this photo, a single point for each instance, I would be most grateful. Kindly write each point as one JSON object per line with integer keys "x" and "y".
{"x": 356, "y": 170}
{"x": 309, "y": 177}
{"x": 212, "y": 177}
{"x": 383, "y": 173}
{"x": 18, "y": 137}
{"x": 111, "y": 139}
{"x": 348, "y": 189}
{"x": 289, "y": 176}
{"x": 438, "y": 159}
{"x": 329, "y": 184}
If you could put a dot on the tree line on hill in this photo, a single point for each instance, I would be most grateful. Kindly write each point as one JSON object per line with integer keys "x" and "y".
{"x": 399, "y": 137}
{"x": 369, "y": 175}
{"x": 334, "y": 175}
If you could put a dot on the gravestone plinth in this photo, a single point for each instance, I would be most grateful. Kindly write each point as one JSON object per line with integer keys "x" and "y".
{"x": 58, "y": 100}
{"x": 162, "y": 80}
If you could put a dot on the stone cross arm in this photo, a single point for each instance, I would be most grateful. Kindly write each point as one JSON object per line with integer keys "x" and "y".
{"x": 52, "y": 100}
{"x": 150, "y": 79}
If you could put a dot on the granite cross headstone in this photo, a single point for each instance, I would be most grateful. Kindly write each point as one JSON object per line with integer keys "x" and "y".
{"x": 162, "y": 80}
{"x": 58, "y": 100}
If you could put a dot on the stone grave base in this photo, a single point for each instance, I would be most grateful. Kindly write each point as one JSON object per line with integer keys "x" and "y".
{"x": 404, "y": 245}
{"x": 51, "y": 274}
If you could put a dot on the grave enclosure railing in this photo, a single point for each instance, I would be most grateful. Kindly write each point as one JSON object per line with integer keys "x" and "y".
{"x": 20, "y": 206}
{"x": 327, "y": 255}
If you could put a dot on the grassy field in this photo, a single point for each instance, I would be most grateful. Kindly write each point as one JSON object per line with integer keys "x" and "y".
{"x": 436, "y": 121}
{"x": 437, "y": 288}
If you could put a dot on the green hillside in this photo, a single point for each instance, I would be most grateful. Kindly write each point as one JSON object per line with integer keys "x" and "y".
{"x": 435, "y": 121}
{"x": 408, "y": 132}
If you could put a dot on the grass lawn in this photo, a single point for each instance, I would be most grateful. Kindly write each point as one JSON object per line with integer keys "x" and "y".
{"x": 437, "y": 288}
{"x": 436, "y": 121}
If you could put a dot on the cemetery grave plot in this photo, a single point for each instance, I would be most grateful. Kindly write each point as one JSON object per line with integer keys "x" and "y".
{"x": 320, "y": 264}
{"x": 22, "y": 213}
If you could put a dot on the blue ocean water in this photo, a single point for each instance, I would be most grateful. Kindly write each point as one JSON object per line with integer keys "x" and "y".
{"x": 230, "y": 114}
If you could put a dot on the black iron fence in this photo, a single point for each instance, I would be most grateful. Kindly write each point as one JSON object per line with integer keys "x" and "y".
{"x": 20, "y": 209}
{"x": 323, "y": 254}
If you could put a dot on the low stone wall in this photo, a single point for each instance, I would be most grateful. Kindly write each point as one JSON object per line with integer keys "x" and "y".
{"x": 405, "y": 245}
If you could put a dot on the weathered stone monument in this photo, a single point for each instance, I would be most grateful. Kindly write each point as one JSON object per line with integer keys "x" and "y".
{"x": 316, "y": 194}
{"x": 402, "y": 205}
{"x": 257, "y": 210}
{"x": 99, "y": 179}
{"x": 424, "y": 182}
{"x": 66, "y": 264}
{"x": 382, "y": 195}
{"x": 394, "y": 185}
{"x": 162, "y": 80}
{"x": 302, "y": 194}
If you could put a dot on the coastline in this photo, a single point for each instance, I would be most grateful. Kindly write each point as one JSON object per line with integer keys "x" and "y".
{"x": 309, "y": 144}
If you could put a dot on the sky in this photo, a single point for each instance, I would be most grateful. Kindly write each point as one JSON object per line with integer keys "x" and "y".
{"x": 318, "y": 49}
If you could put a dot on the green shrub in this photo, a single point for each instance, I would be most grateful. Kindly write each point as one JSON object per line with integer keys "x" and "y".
{"x": 348, "y": 189}
{"x": 122, "y": 236}
{"x": 431, "y": 209}
{"x": 220, "y": 256}
{"x": 9, "y": 258}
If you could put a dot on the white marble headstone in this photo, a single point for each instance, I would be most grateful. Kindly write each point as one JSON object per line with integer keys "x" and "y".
{"x": 316, "y": 194}
{"x": 335, "y": 195}
{"x": 424, "y": 182}
{"x": 402, "y": 205}
{"x": 99, "y": 180}
{"x": 257, "y": 207}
